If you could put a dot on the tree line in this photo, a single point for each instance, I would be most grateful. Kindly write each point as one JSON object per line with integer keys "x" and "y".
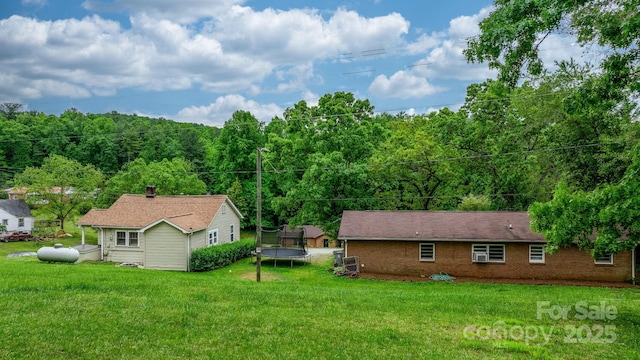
{"x": 504, "y": 149}
{"x": 562, "y": 144}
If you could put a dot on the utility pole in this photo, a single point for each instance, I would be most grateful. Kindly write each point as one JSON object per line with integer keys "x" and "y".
{"x": 258, "y": 213}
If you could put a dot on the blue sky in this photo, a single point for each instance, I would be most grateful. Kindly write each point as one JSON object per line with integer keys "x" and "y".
{"x": 200, "y": 60}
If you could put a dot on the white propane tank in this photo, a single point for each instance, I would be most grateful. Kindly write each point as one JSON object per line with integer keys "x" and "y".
{"x": 58, "y": 253}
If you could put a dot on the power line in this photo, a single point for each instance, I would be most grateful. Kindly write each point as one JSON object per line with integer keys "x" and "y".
{"x": 307, "y": 118}
{"x": 364, "y": 165}
{"x": 371, "y": 198}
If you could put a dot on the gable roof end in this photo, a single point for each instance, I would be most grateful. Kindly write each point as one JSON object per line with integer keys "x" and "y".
{"x": 138, "y": 211}
{"x": 17, "y": 208}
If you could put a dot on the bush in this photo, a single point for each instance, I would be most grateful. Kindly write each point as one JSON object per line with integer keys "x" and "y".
{"x": 215, "y": 257}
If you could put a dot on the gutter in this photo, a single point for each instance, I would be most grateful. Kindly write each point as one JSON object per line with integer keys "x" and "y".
{"x": 511, "y": 241}
{"x": 101, "y": 237}
{"x": 189, "y": 251}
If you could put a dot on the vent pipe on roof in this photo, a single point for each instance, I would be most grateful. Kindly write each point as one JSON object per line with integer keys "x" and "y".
{"x": 151, "y": 191}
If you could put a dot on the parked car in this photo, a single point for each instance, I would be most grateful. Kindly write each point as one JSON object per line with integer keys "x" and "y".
{"x": 15, "y": 236}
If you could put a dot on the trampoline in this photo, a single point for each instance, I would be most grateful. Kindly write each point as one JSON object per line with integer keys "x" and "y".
{"x": 284, "y": 244}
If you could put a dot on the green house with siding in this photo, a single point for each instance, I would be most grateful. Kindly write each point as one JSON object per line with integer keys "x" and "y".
{"x": 160, "y": 232}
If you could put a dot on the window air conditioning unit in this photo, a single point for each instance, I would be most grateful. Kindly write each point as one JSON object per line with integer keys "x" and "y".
{"x": 480, "y": 257}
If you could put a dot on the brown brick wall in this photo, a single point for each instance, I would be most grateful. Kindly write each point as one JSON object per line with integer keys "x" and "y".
{"x": 319, "y": 242}
{"x": 454, "y": 258}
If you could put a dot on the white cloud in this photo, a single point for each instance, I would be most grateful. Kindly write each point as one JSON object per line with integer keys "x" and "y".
{"x": 34, "y": 2}
{"x": 295, "y": 78}
{"x": 448, "y": 62}
{"x": 183, "y": 11}
{"x": 302, "y": 35}
{"x": 557, "y": 48}
{"x": 218, "y": 112}
{"x": 444, "y": 51}
{"x": 424, "y": 43}
{"x": 402, "y": 84}
{"x": 444, "y": 58}
{"x": 310, "y": 98}
{"x": 235, "y": 52}
{"x": 464, "y": 26}
{"x": 15, "y": 87}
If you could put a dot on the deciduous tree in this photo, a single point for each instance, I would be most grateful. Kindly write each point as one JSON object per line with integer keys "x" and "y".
{"x": 170, "y": 177}
{"x": 606, "y": 220}
{"x": 60, "y": 185}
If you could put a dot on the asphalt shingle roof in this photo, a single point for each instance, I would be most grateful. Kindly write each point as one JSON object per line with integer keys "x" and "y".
{"x": 17, "y": 208}
{"x": 310, "y": 231}
{"x": 437, "y": 225}
{"x": 139, "y": 211}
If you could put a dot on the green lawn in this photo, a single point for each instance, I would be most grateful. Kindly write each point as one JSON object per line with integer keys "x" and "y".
{"x": 100, "y": 311}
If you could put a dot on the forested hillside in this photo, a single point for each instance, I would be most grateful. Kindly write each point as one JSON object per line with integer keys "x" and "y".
{"x": 504, "y": 149}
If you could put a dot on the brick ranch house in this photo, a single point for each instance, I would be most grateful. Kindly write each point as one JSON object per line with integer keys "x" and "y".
{"x": 470, "y": 244}
{"x": 160, "y": 232}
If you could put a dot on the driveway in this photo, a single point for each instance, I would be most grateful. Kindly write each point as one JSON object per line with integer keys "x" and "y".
{"x": 320, "y": 254}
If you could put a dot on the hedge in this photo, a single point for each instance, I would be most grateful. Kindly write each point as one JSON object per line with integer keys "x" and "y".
{"x": 215, "y": 257}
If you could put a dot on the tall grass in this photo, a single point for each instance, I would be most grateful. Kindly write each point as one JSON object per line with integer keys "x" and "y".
{"x": 100, "y": 311}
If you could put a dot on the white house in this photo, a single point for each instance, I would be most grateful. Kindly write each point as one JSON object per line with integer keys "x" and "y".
{"x": 16, "y": 216}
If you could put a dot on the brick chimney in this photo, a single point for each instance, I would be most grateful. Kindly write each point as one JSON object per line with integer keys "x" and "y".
{"x": 151, "y": 191}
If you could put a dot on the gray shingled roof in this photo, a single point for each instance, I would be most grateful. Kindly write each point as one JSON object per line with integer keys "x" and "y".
{"x": 437, "y": 225}
{"x": 17, "y": 208}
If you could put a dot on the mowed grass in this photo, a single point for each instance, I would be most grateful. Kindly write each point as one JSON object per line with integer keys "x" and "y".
{"x": 100, "y": 311}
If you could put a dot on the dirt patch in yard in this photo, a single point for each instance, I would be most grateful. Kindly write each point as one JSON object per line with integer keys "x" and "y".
{"x": 263, "y": 277}
{"x": 502, "y": 281}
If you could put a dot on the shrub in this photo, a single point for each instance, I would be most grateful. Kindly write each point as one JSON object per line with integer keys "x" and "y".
{"x": 215, "y": 257}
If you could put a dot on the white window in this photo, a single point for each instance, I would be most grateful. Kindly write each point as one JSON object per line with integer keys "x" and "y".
{"x": 536, "y": 253}
{"x": 133, "y": 239}
{"x": 20, "y": 222}
{"x": 213, "y": 237}
{"x": 5, "y": 222}
{"x": 606, "y": 259}
{"x": 231, "y": 233}
{"x": 427, "y": 252}
{"x": 127, "y": 238}
{"x": 494, "y": 253}
{"x": 121, "y": 238}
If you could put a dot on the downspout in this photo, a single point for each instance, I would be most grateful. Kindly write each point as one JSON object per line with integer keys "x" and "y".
{"x": 189, "y": 251}
{"x": 101, "y": 238}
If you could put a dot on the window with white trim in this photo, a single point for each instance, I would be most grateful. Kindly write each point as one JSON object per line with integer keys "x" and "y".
{"x": 5, "y": 222}
{"x": 20, "y": 222}
{"x": 127, "y": 238}
{"x": 133, "y": 239}
{"x": 231, "y": 233}
{"x": 213, "y": 237}
{"x": 536, "y": 253}
{"x": 495, "y": 253}
{"x": 606, "y": 259}
{"x": 427, "y": 252}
